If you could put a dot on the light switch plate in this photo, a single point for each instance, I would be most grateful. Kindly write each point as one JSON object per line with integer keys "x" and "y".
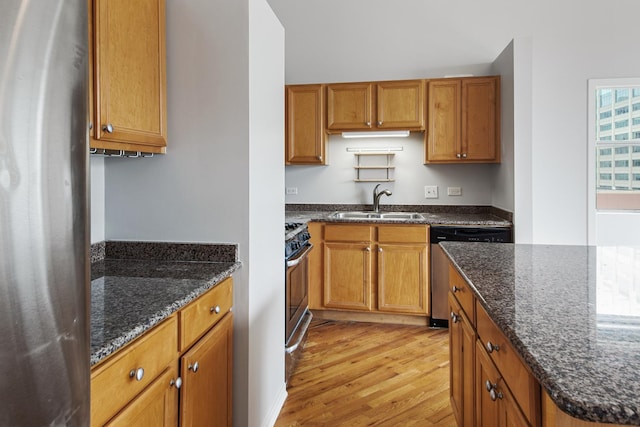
{"x": 454, "y": 191}
{"x": 292, "y": 190}
{"x": 430, "y": 191}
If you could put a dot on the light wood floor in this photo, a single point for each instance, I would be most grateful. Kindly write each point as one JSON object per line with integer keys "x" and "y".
{"x": 365, "y": 374}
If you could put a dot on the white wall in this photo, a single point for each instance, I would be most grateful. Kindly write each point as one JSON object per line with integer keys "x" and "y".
{"x": 569, "y": 41}
{"x": 222, "y": 177}
{"x": 96, "y": 170}
{"x": 334, "y": 183}
{"x": 266, "y": 298}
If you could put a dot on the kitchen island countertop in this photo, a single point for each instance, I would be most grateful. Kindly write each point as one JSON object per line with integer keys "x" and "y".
{"x": 573, "y": 314}
{"x": 130, "y": 296}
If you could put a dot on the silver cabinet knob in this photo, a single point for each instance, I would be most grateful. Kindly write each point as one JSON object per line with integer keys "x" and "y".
{"x": 368, "y": 249}
{"x": 464, "y": 155}
{"x": 90, "y": 125}
{"x": 492, "y": 347}
{"x": 177, "y": 382}
{"x": 108, "y": 128}
{"x": 380, "y": 250}
{"x": 488, "y": 385}
{"x": 495, "y": 395}
{"x": 455, "y": 289}
{"x": 194, "y": 367}
{"x": 455, "y": 317}
{"x": 215, "y": 309}
{"x": 379, "y": 122}
{"x": 458, "y": 155}
{"x": 138, "y": 374}
{"x": 368, "y": 123}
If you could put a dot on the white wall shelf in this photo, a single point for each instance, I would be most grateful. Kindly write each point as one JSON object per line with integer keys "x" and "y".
{"x": 374, "y": 166}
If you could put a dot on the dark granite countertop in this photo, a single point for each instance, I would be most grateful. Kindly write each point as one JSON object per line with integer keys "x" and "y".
{"x": 130, "y": 296}
{"x": 481, "y": 216}
{"x": 573, "y": 314}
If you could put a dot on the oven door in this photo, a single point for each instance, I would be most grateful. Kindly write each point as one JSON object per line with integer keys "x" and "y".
{"x": 297, "y": 284}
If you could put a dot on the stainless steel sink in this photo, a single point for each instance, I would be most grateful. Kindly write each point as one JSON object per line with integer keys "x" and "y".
{"x": 377, "y": 215}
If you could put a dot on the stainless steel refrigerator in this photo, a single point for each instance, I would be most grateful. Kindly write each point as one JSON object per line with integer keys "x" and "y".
{"x": 44, "y": 230}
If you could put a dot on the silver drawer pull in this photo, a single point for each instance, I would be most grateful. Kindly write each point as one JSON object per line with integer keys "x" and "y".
{"x": 492, "y": 347}
{"x": 455, "y": 289}
{"x": 194, "y": 367}
{"x": 215, "y": 309}
{"x": 177, "y": 382}
{"x": 138, "y": 374}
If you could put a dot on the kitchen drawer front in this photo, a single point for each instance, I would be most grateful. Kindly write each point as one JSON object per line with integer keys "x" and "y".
{"x": 522, "y": 383}
{"x": 347, "y": 233}
{"x": 204, "y": 312}
{"x": 112, "y": 383}
{"x": 463, "y": 293}
{"x": 403, "y": 234}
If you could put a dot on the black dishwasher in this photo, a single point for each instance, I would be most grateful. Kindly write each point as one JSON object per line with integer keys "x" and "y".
{"x": 440, "y": 262}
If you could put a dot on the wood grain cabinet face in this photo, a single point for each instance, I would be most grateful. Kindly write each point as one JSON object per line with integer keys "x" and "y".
{"x": 462, "y": 339}
{"x": 156, "y": 407}
{"x": 385, "y": 265}
{"x": 375, "y": 106}
{"x": 463, "y": 121}
{"x": 129, "y": 75}
{"x": 304, "y": 125}
{"x": 206, "y": 371}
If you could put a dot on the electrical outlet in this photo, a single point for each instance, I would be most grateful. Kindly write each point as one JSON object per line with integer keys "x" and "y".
{"x": 292, "y": 190}
{"x": 454, "y": 191}
{"x": 430, "y": 191}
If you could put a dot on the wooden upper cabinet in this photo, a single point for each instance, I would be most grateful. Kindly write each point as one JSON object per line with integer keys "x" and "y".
{"x": 400, "y": 105}
{"x": 349, "y": 106}
{"x": 304, "y": 125}
{"x": 129, "y": 75}
{"x": 463, "y": 121}
{"x": 375, "y": 106}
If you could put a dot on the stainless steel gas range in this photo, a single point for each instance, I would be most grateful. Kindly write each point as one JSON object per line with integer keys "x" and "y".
{"x": 297, "y": 314}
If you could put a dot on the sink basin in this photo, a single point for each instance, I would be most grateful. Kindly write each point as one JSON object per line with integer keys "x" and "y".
{"x": 377, "y": 215}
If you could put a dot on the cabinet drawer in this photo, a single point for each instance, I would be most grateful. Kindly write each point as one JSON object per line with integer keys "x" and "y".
{"x": 403, "y": 234}
{"x": 463, "y": 293}
{"x": 201, "y": 314}
{"x": 113, "y": 386}
{"x": 347, "y": 233}
{"x": 521, "y": 382}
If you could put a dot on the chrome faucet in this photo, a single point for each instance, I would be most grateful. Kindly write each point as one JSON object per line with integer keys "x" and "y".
{"x": 376, "y": 197}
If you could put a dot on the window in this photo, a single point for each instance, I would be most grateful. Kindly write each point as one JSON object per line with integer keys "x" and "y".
{"x": 614, "y": 135}
{"x": 622, "y": 95}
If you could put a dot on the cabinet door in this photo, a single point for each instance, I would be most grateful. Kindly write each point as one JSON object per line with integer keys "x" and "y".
{"x": 495, "y": 405}
{"x": 305, "y": 134}
{"x": 347, "y": 276}
{"x": 400, "y": 105}
{"x": 129, "y": 80}
{"x": 479, "y": 119}
{"x": 206, "y": 378}
{"x": 443, "y": 129}
{"x": 402, "y": 278}
{"x": 349, "y": 106}
{"x": 462, "y": 365}
{"x": 157, "y": 406}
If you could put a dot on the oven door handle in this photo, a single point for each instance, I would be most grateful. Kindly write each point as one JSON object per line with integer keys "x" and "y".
{"x": 295, "y": 261}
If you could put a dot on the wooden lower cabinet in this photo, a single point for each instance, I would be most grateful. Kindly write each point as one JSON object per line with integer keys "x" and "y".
{"x": 372, "y": 268}
{"x": 157, "y": 406}
{"x": 347, "y": 276}
{"x": 495, "y": 405}
{"x": 206, "y": 372}
{"x": 462, "y": 339}
{"x": 151, "y": 383}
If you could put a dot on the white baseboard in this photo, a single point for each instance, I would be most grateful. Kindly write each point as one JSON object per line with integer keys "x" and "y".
{"x": 272, "y": 417}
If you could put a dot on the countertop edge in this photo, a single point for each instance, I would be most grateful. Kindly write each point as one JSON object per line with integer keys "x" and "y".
{"x": 137, "y": 330}
{"x": 580, "y": 410}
